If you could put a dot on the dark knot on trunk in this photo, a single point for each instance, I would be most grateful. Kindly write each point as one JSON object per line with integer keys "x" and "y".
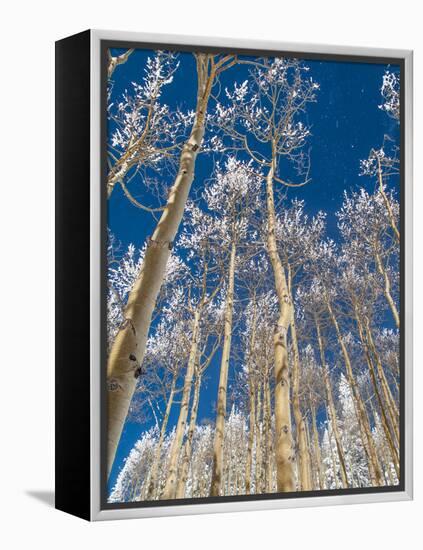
{"x": 113, "y": 385}
{"x": 151, "y": 243}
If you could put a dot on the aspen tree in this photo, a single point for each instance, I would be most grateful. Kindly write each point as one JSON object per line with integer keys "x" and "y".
{"x": 158, "y": 383}
{"x": 257, "y": 373}
{"x": 384, "y": 163}
{"x": 144, "y": 134}
{"x": 358, "y": 403}
{"x": 251, "y": 394}
{"x": 331, "y": 405}
{"x": 132, "y": 338}
{"x": 381, "y": 161}
{"x": 325, "y": 269}
{"x": 313, "y": 396}
{"x": 361, "y": 293}
{"x": 385, "y": 422}
{"x": 358, "y": 294}
{"x": 296, "y": 235}
{"x": 197, "y": 309}
{"x": 284, "y": 443}
{"x": 316, "y": 445}
{"x": 311, "y": 298}
{"x": 363, "y": 220}
{"x": 300, "y": 321}
{"x": 198, "y": 237}
{"x": 393, "y": 412}
{"x": 187, "y": 450}
{"x": 154, "y": 470}
{"x": 359, "y": 468}
{"x": 282, "y": 89}
{"x": 268, "y": 463}
{"x": 170, "y": 487}
{"x": 180, "y": 490}
{"x": 233, "y": 198}
{"x": 304, "y": 462}
{"x": 223, "y": 380}
{"x": 332, "y": 459}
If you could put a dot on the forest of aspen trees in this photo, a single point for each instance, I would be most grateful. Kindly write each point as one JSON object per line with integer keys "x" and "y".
{"x": 252, "y": 338}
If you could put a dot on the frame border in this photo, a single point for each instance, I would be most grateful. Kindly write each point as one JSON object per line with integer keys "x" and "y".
{"x": 100, "y": 510}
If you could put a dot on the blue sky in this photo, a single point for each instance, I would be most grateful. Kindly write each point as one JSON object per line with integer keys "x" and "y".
{"x": 345, "y": 123}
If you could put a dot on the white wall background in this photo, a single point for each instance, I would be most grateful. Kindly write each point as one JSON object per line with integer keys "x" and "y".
{"x": 26, "y": 290}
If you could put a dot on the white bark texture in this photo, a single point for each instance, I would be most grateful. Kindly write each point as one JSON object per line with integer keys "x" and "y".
{"x": 169, "y": 491}
{"x": 362, "y": 417}
{"x": 332, "y": 410}
{"x": 283, "y": 436}
{"x": 131, "y": 339}
{"x": 216, "y": 483}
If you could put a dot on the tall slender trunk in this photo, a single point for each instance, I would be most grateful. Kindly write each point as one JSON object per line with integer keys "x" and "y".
{"x": 259, "y": 453}
{"x": 240, "y": 466}
{"x": 226, "y": 485}
{"x": 265, "y": 437}
{"x": 317, "y": 454}
{"x": 152, "y": 486}
{"x": 384, "y": 419}
{"x": 131, "y": 339}
{"x": 332, "y": 456}
{"x": 388, "y": 467}
{"x": 304, "y": 463}
{"x": 362, "y": 418}
{"x": 170, "y": 486}
{"x": 216, "y": 482}
{"x": 331, "y": 405}
{"x": 310, "y": 459}
{"x": 269, "y": 438}
{"x": 386, "y": 201}
{"x": 387, "y": 287}
{"x": 384, "y": 452}
{"x": 251, "y": 437}
{"x": 283, "y": 431}
{"x": 303, "y": 454}
{"x": 136, "y": 486}
{"x": 386, "y": 390}
{"x": 183, "y": 475}
{"x": 252, "y": 402}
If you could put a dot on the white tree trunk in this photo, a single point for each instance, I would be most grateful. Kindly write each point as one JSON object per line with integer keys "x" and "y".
{"x": 317, "y": 453}
{"x": 386, "y": 201}
{"x": 283, "y": 445}
{"x": 332, "y": 410}
{"x": 252, "y": 402}
{"x": 383, "y": 414}
{"x": 387, "y": 289}
{"x": 169, "y": 491}
{"x": 303, "y": 454}
{"x": 361, "y": 413}
{"x": 131, "y": 339}
{"x": 183, "y": 476}
{"x": 216, "y": 483}
{"x": 151, "y": 492}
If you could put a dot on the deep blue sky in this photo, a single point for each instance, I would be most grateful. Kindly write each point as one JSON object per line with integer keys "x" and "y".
{"x": 346, "y": 123}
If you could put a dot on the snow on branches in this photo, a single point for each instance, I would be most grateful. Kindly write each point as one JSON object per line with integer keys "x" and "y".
{"x": 254, "y": 277}
{"x": 145, "y": 135}
{"x": 390, "y": 92}
{"x": 263, "y": 115}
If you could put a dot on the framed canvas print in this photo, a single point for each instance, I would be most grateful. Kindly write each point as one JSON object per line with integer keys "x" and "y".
{"x": 233, "y": 279}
